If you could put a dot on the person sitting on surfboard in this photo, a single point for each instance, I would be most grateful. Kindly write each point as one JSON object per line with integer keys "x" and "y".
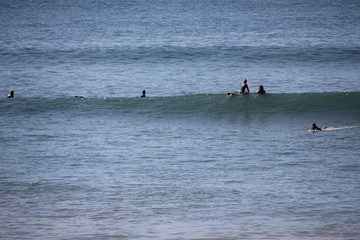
{"x": 244, "y": 87}
{"x": 316, "y": 128}
{"x": 143, "y": 94}
{"x": 11, "y": 94}
{"x": 243, "y": 90}
{"x": 261, "y": 90}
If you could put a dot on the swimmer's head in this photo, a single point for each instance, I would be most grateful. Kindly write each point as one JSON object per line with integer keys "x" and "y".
{"x": 11, "y": 94}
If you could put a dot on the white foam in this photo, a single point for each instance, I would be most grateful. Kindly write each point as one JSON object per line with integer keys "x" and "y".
{"x": 338, "y": 128}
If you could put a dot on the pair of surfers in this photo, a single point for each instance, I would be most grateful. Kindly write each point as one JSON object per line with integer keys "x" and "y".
{"x": 245, "y": 89}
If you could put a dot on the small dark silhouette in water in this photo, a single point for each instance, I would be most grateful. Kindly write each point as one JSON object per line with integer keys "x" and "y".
{"x": 11, "y": 94}
{"x": 261, "y": 90}
{"x": 244, "y": 87}
{"x": 143, "y": 94}
{"x": 314, "y": 127}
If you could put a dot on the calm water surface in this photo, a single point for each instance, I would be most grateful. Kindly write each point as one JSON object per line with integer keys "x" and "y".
{"x": 187, "y": 162}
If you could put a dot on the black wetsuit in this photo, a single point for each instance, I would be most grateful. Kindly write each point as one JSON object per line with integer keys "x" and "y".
{"x": 243, "y": 87}
{"x": 316, "y": 128}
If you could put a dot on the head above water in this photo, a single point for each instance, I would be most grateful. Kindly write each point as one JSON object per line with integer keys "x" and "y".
{"x": 11, "y": 94}
{"x": 314, "y": 127}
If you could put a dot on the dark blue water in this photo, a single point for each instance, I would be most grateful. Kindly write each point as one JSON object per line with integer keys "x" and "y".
{"x": 117, "y": 48}
{"x": 187, "y": 161}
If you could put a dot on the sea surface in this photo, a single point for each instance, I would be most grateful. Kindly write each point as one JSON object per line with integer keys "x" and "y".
{"x": 82, "y": 156}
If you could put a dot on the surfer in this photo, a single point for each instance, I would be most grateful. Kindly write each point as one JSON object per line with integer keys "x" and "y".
{"x": 261, "y": 90}
{"x": 143, "y": 94}
{"x": 316, "y": 128}
{"x": 11, "y": 94}
{"x": 243, "y": 90}
{"x": 244, "y": 87}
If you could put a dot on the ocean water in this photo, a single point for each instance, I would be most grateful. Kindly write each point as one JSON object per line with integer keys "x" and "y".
{"x": 188, "y": 161}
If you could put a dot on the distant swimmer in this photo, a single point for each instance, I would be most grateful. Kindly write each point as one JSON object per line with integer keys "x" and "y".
{"x": 244, "y": 87}
{"x": 143, "y": 94}
{"x": 261, "y": 90}
{"x": 78, "y": 97}
{"x": 11, "y": 94}
{"x": 316, "y": 128}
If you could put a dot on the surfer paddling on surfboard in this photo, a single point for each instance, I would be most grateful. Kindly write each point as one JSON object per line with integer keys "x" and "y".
{"x": 316, "y": 128}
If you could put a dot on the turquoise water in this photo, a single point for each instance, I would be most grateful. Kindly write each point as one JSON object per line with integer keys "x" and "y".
{"x": 188, "y": 161}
